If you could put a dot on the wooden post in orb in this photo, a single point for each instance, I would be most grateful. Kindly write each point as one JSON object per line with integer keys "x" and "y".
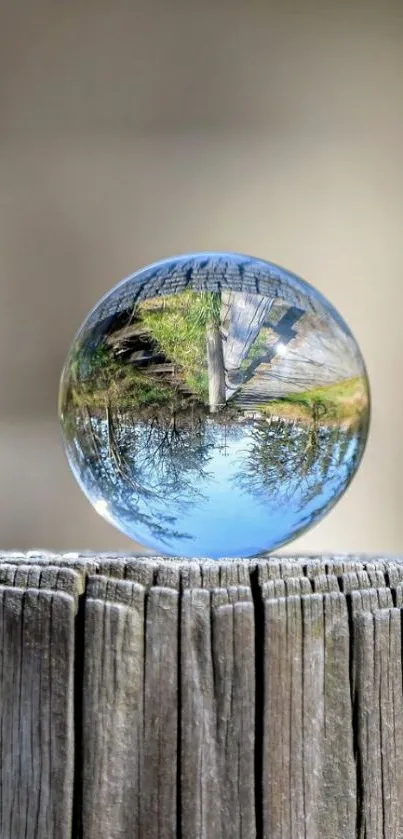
{"x": 174, "y": 699}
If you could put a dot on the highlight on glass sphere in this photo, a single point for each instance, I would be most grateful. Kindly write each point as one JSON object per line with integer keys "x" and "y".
{"x": 214, "y": 405}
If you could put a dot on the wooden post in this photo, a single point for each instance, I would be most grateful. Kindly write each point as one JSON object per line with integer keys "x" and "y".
{"x": 175, "y": 699}
{"x": 215, "y": 368}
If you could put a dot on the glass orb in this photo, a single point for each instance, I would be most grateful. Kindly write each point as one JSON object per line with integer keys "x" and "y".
{"x": 214, "y": 405}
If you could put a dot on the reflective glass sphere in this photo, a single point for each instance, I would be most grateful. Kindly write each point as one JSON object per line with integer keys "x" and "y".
{"x": 214, "y": 405}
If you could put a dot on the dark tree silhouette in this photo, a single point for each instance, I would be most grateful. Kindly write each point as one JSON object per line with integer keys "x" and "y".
{"x": 106, "y": 473}
{"x": 293, "y": 462}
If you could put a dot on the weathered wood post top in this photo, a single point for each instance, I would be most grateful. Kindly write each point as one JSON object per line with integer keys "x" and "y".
{"x": 148, "y": 698}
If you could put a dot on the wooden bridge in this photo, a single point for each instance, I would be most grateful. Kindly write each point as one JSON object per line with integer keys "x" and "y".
{"x": 302, "y": 352}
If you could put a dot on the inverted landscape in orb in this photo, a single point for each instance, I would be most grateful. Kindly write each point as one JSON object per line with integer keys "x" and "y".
{"x": 214, "y": 405}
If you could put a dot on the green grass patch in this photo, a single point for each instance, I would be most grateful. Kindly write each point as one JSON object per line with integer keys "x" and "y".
{"x": 178, "y": 324}
{"x": 342, "y": 401}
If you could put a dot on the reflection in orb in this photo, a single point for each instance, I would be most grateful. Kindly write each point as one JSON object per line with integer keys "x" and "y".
{"x": 214, "y": 405}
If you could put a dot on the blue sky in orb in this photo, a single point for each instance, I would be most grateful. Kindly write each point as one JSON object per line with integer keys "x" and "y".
{"x": 231, "y": 521}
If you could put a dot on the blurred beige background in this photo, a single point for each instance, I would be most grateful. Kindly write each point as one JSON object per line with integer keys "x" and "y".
{"x": 131, "y": 131}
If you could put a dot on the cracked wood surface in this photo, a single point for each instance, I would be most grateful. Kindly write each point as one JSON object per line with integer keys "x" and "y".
{"x": 148, "y": 697}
